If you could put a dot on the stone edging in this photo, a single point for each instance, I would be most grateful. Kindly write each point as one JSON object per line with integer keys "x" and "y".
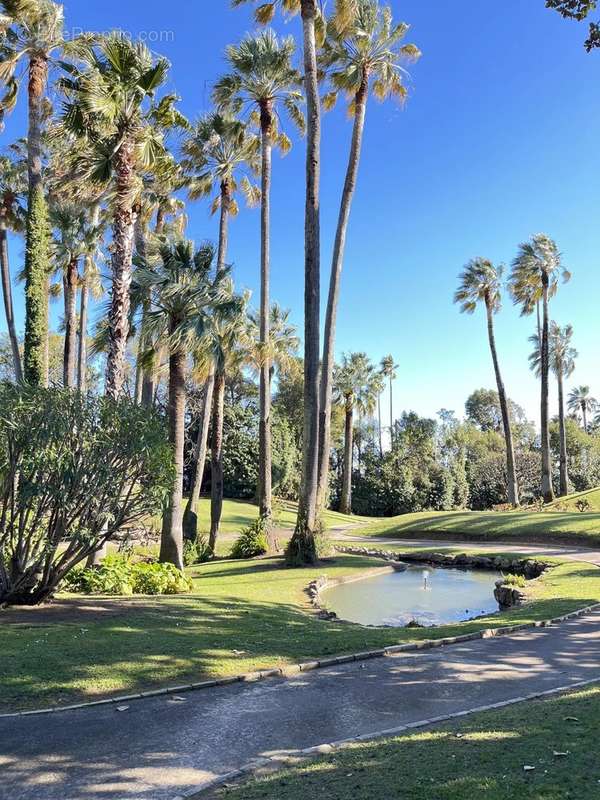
{"x": 270, "y": 764}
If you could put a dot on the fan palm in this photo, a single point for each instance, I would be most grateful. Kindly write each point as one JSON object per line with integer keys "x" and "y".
{"x": 13, "y": 184}
{"x": 183, "y": 298}
{"x": 481, "y": 282}
{"x": 580, "y": 400}
{"x": 562, "y": 363}
{"x": 535, "y": 274}
{"x": 32, "y": 30}
{"x": 356, "y": 386}
{"x": 110, "y": 105}
{"x": 362, "y": 53}
{"x": 388, "y": 370}
{"x": 262, "y": 78}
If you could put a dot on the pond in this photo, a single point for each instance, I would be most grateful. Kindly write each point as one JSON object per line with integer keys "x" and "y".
{"x": 427, "y": 595}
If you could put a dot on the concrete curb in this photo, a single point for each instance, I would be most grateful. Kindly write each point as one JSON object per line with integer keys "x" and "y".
{"x": 289, "y": 758}
{"x": 308, "y": 666}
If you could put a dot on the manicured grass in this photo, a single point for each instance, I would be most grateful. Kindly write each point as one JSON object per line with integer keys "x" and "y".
{"x": 242, "y": 616}
{"x": 480, "y": 756}
{"x": 547, "y": 527}
{"x": 570, "y": 502}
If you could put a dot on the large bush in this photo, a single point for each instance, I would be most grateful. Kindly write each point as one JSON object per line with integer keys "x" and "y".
{"x": 120, "y": 575}
{"x": 74, "y": 471}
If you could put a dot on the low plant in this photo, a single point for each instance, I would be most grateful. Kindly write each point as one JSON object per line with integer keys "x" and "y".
{"x": 119, "y": 575}
{"x": 252, "y": 541}
{"x": 196, "y": 552}
{"x": 582, "y": 505}
{"x": 515, "y": 580}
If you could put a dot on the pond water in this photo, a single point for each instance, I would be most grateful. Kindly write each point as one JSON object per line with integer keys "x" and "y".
{"x": 422, "y": 593}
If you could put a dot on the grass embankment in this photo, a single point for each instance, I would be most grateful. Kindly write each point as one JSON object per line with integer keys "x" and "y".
{"x": 481, "y": 756}
{"x": 240, "y": 617}
{"x": 569, "y": 503}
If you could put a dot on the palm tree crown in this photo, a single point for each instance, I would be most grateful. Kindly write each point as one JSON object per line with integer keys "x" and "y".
{"x": 537, "y": 261}
{"x": 562, "y": 354}
{"x": 481, "y": 281}
{"x": 580, "y": 400}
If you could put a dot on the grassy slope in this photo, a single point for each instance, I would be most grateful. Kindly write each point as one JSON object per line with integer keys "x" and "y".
{"x": 569, "y": 502}
{"x": 242, "y": 616}
{"x": 481, "y": 756}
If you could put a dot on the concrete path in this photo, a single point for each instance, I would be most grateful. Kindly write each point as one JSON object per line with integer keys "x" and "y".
{"x": 162, "y": 747}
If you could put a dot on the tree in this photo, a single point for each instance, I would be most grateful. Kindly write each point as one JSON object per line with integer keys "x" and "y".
{"x": 580, "y": 400}
{"x": 579, "y": 10}
{"x": 562, "y": 363}
{"x": 481, "y": 282}
{"x": 356, "y": 386}
{"x": 262, "y": 77}
{"x": 535, "y": 272}
{"x": 362, "y": 53}
{"x": 110, "y": 105}
{"x": 388, "y": 370}
{"x": 183, "y": 297}
{"x": 12, "y": 218}
{"x": 32, "y": 30}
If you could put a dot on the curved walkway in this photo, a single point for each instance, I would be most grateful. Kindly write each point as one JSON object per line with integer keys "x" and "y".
{"x": 164, "y": 747}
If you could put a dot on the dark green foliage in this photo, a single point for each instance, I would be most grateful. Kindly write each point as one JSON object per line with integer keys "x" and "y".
{"x": 74, "y": 471}
{"x": 240, "y": 451}
{"x": 37, "y": 264}
{"x": 196, "y": 552}
{"x": 579, "y": 9}
{"x": 252, "y": 541}
{"x": 119, "y": 575}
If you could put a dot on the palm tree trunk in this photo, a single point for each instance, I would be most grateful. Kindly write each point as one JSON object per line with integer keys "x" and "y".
{"x": 83, "y": 309}
{"x": 264, "y": 430}
{"x": 144, "y": 375}
{"x": 391, "y": 415}
{"x": 216, "y": 492}
{"x": 564, "y": 469}
{"x": 302, "y": 548}
{"x": 584, "y": 415}
{"x": 190, "y": 517}
{"x": 123, "y": 235}
{"x": 379, "y": 425}
{"x": 346, "y": 499}
{"x": 547, "y": 491}
{"x": 8, "y": 302}
{"x": 511, "y": 472}
{"x": 70, "y": 348}
{"x": 337, "y": 264}
{"x": 37, "y": 256}
{"x": 171, "y": 540}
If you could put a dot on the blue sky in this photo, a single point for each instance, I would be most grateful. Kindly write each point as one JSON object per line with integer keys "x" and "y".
{"x": 498, "y": 140}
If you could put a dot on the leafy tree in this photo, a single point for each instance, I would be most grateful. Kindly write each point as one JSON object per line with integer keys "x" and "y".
{"x": 481, "y": 282}
{"x": 535, "y": 273}
{"x": 362, "y": 53}
{"x": 579, "y": 10}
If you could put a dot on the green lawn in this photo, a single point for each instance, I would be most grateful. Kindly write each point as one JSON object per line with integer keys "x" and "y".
{"x": 481, "y": 756}
{"x": 547, "y": 527}
{"x": 569, "y": 503}
{"x": 242, "y": 616}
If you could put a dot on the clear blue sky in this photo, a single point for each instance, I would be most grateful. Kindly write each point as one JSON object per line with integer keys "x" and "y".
{"x": 498, "y": 140}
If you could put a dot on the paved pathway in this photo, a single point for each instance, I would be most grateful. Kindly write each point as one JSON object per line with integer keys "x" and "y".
{"x": 161, "y": 747}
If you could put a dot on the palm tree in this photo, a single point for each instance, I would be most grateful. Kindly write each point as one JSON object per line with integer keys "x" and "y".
{"x": 32, "y": 30}
{"x": 362, "y": 53}
{"x": 356, "y": 385}
{"x": 262, "y": 78}
{"x": 481, "y": 282}
{"x": 12, "y": 218}
{"x": 562, "y": 363}
{"x": 183, "y": 298}
{"x": 89, "y": 284}
{"x": 110, "y": 106}
{"x": 388, "y": 370}
{"x": 535, "y": 272}
{"x": 580, "y": 400}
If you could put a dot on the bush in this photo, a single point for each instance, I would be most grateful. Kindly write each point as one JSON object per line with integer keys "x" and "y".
{"x": 582, "y": 505}
{"x": 196, "y": 552}
{"x": 74, "y": 471}
{"x": 119, "y": 575}
{"x": 515, "y": 580}
{"x": 252, "y": 541}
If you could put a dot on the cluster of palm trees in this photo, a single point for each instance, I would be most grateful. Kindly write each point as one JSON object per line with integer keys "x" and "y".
{"x": 120, "y": 156}
{"x": 532, "y": 283}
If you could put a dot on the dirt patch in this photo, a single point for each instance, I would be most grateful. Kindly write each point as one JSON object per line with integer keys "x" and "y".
{"x": 75, "y": 611}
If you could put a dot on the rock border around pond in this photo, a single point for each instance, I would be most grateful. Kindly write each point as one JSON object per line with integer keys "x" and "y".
{"x": 506, "y": 593}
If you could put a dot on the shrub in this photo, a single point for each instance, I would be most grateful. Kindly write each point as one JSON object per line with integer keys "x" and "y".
{"x": 196, "y": 552}
{"x": 252, "y": 541}
{"x": 515, "y": 580}
{"x": 582, "y": 505}
{"x": 74, "y": 471}
{"x": 119, "y": 575}
{"x": 155, "y": 578}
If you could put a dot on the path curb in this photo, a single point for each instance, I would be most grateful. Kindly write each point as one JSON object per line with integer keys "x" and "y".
{"x": 308, "y": 666}
{"x": 279, "y": 762}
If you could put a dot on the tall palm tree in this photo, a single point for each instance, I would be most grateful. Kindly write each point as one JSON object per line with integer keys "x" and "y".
{"x": 262, "y": 78}
{"x": 12, "y": 218}
{"x": 481, "y": 282}
{"x": 580, "y": 400}
{"x": 183, "y": 298}
{"x": 32, "y": 30}
{"x": 362, "y": 53}
{"x": 562, "y": 363}
{"x": 110, "y": 104}
{"x": 356, "y": 385}
{"x": 90, "y": 284}
{"x": 388, "y": 370}
{"x": 536, "y": 271}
